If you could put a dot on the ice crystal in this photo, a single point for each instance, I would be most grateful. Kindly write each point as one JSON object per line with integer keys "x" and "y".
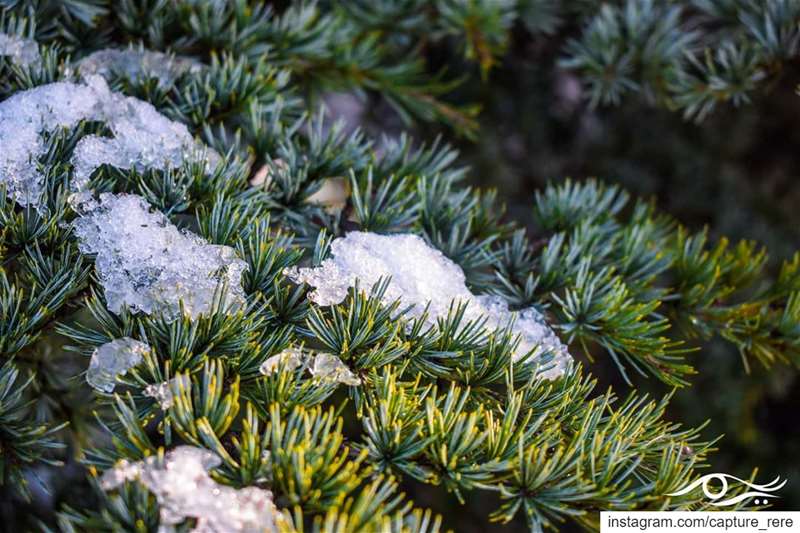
{"x": 137, "y": 65}
{"x": 184, "y": 489}
{"x": 148, "y": 265}
{"x": 20, "y": 51}
{"x": 534, "y": 334}
{"x": 113, "y": 359}
{"x": 419, "y": 273}
{"x": 142, "y": 137}
{"x": 323, "y": 366}
{"x": 290, "y": 359}
{"x": 329, "y": 367}
{"x": 122, "y": 472}
{"x": 420, "y": 276}
{"x": 164, "y": 392}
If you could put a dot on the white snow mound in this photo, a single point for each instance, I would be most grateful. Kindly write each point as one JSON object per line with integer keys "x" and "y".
{"x": 420, "y": 276}
{"x": 142, "y": 137}
{"x": 147, "y": 264}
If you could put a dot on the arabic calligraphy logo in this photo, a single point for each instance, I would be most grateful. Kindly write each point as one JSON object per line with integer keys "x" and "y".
{"x": 759, "y": 492}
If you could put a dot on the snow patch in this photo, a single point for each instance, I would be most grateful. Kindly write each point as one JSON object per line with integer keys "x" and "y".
{"x": 21, "y": 52}
{"x": 329, "y": 367}
{"x": 137, "y": 65}
{"x": 164, "y": 393}
{"x": 290, "y": 359}
{"x": 420, "y": 276}
{"x": 147, "y": 264}
{"x": 184, "y": 489}
{"x": 142, "y": 137}
{"x": 112, "y": 360}
{"x": 323, "y": 366}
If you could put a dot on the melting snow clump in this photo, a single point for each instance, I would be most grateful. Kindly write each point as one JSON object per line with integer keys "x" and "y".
{"x": 291, "y": 359}
{"x": 533, "y": 330}
{"x": 137, "y": 65}
{"x": 22, "y": 52}
{"x": 148, "y": 265}
{"x": 142, "y": 137}
{"x": 323, "y": 366}
{"x": 113, "y": 359}
{"x": 328, "y": 367}
{"x": 184, "y": 489}
{"x": 164, "y": 392}
{"x": 421, "y": 275}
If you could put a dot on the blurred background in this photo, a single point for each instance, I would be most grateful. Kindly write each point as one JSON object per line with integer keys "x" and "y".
{"x": 736, "y": 173}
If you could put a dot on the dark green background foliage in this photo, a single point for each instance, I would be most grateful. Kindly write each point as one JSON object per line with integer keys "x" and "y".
{"x": 734, "y": 171}
{"x": 674, "y": 274}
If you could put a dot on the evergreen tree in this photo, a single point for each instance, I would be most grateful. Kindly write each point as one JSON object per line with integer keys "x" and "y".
{"x": 254, "y": 384}
{"x": 690, "y": 56}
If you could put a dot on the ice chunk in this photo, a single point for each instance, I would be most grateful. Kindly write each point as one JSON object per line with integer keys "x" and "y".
{"x": 164, "y": 392}
{"x": 534, "y": 334}
{"x": 291, "y": 359}
{"x": 142, "y": 137}
{"x": 184, "y": 489}
{"x": 113, "y": 359}
{"x": 137, "y": 64}
{"x": 148, "y": 265}
{"x": 21, "y": 52}
{"x": 420, "y": 276}
{"x": 329, "y": 367}
{"x": 419, "y": 273}
{"x": 123, "y": 471}
{"x": 323, "y": 366}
